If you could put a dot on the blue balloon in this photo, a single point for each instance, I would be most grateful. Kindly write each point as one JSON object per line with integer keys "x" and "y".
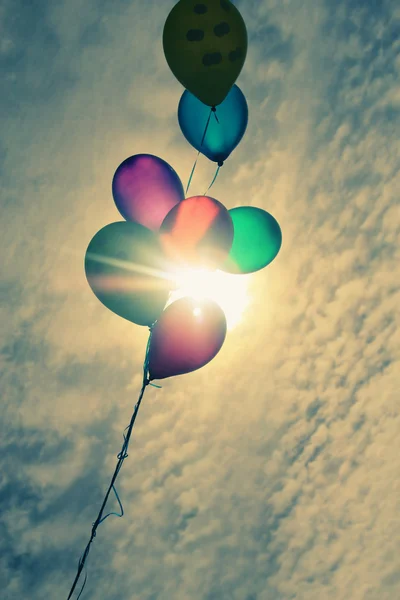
{"x": 225, "y": 129}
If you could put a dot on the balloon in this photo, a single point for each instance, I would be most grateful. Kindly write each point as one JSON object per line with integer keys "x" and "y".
{"x": 197, "y": 232}
{"x": 205, "y": 45}
{"x": 123, "y": 263}
{"x": 257, "y": 240}
{"x": 186, "y": 337}
{"x": 145, "y": 188}
{"x": 222, "y": 136}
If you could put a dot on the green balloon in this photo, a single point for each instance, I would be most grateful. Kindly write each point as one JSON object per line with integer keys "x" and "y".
{"x": 122, "y": 264}
{"x": 257, "y": 239}
{"x": 205, "y": 44}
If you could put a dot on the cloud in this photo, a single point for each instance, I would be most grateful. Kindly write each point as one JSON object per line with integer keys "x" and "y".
{"x": 272, "y": 472}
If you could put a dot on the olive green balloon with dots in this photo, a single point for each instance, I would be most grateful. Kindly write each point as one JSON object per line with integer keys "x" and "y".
{"x": 205, "y": 44}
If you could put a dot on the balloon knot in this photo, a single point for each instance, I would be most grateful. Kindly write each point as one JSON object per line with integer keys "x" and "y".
{"x": 220, "y": 163}
{"x": 214, "y": 109}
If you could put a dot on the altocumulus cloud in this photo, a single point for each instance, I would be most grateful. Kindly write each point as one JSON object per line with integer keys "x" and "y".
{"x": 273, "y": 473}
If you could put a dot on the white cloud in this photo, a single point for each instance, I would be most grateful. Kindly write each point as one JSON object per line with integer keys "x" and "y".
{"x": 273, "y": 472}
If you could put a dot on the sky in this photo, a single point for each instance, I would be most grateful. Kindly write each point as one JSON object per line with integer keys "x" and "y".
{"x": 273, "y": 473}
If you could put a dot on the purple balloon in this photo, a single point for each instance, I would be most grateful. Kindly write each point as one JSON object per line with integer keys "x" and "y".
{"x": 145, "y": 189}
{"x": 187, "y": 335}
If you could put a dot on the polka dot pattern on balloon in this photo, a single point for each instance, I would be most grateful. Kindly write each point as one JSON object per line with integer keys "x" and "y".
{"x": 221, "y": 29}
{"x": 235, "y": 54}
{"x": 200, "y": 9}
{"x": 200, "y": 41}
{"x": 195, "y": 35}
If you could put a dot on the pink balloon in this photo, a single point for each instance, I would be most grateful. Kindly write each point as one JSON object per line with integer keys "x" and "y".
{"x": 145, "y": 188}
{"x": 187, "y": 336}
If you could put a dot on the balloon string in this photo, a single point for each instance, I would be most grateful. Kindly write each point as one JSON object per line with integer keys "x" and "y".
{"x": 191, "y": 174}
{"x": 122, "y": 455}
{"x": 114, "y": 513}
{"x": 215, "y": 177}
{"x": 212, "y": 110}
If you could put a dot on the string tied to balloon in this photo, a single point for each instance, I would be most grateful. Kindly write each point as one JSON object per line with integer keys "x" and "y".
{"x": 214, "y": 110}
{"x": 121, "y": 456}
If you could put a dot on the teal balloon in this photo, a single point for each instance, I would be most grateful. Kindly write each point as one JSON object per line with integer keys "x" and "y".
{"x": 257, "y": 239}
{"x": 222, "y": 135}
{"x": 124, "y": 264}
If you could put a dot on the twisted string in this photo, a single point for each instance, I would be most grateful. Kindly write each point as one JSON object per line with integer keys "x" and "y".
{"x": 121, "y": 456}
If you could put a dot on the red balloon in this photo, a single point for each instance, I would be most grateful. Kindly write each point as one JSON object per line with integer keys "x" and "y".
{"x": 197, "y": 232}
{"x": 187, "y": 336}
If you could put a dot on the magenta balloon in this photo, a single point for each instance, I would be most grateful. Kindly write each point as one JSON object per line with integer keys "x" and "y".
{"x": 145, "y": 189}
{"x": 188, "y": 334}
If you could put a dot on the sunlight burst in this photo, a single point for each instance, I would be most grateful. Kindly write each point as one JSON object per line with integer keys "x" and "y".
{"x": 229, "y": 291}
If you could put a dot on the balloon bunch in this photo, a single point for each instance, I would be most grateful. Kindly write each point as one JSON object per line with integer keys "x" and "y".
{"x": 130, "y": 264}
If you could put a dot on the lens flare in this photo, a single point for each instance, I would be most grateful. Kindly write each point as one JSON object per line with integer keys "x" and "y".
{"x": 229, "y": 291}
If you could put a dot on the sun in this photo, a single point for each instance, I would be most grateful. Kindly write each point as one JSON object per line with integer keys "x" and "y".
{"x": 229, "y": 291}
